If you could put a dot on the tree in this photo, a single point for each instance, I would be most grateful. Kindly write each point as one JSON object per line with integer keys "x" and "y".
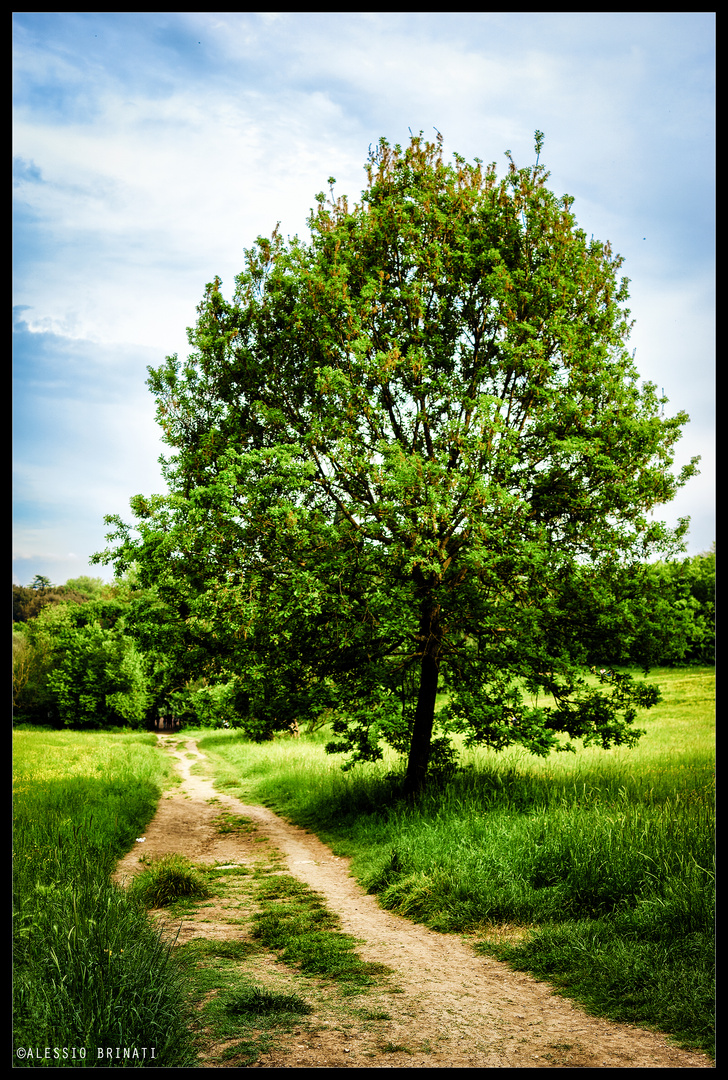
{"x": 681, "y": 596}
{"x": 87, "y": 588}
{"x": 40, "y": 582}
{"x": 23, "y": 657}
{"x": 98, "y": 679}
{"x": 413, "y": 453}
{"x": 29, "y": 601}
{"x": 77, "y": 666}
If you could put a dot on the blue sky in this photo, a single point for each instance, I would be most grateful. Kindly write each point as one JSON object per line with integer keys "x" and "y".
{"x": 151, "y": 148}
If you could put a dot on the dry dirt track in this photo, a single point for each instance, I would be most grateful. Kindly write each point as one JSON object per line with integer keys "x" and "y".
{"x": 469, "y": 1011}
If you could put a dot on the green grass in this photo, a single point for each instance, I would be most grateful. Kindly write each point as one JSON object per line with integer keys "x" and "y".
{"x": 603, "y": 860}
{"x": 294, "y": 922}
{"x": 234, "y": 1017}
{"x": 89, "y": 969}
{"x": 256, "y": 1003}
{"x": 166, "y": 880}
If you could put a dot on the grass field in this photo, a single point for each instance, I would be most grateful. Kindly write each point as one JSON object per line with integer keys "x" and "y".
{"x": 91, "y": 977}
{"x": 594, "y": 871}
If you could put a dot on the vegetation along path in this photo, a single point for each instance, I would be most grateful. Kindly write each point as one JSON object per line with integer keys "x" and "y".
{"x": 448, "y": 1009}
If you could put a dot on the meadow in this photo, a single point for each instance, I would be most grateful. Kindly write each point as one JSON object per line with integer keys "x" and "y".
{"x": 94, "y": 986}
{"x": 593, "y": 870}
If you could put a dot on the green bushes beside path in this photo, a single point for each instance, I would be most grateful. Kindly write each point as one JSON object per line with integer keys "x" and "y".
{"x": 90, "y": 972}
{"x": 594, "y": 871}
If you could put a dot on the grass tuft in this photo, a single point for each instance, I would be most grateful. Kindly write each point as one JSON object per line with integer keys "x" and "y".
{"x": 253, "y": 1001}
{"x": 166, "y": 880}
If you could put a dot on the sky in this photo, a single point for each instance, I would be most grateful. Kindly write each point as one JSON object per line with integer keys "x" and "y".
{"x": 151, "y": 149}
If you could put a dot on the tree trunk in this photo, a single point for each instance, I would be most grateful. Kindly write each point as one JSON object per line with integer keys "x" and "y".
{"x": 419, "y": 756}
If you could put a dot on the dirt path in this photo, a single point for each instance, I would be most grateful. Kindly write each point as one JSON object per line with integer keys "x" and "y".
{"x": 467, "y": 1011}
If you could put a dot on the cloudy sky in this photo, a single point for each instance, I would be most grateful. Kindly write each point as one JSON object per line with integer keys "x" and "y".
{"x": 150, "y": 149}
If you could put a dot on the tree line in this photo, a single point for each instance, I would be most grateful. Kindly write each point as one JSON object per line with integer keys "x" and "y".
{"x": 92, "y": 654}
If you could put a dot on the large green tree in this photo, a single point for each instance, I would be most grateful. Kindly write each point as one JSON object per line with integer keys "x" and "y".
{"x": 413, "y": 453}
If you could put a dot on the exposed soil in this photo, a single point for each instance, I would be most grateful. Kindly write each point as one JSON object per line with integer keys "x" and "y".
{"x": 456, "y": 1009}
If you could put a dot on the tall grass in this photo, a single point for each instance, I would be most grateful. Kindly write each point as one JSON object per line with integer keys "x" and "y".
{"x": 600, "y": 865}
{"x": 90, "y": 972}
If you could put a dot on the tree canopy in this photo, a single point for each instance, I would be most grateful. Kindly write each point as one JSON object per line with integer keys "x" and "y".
{"x": 413, "y": 454}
